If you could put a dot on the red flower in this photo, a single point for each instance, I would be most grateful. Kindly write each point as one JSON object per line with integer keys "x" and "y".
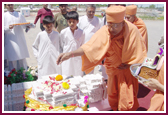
{"x": 13, "y": 69}
{"x": 9, "y": 75}
{"x": 15, "y": 72}
{"x": 50, "y": 107}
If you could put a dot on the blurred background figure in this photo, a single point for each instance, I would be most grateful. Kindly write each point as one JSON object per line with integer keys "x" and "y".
{"x": 89, "y": 23}
{"x": 74, "y": 8}
{"x": 41, "y": 14}
{"x": 138, "y": 22}
{"x": 60, "y": 18}
{"x": 68, "y": 9}
{"x": 16, "y": 50}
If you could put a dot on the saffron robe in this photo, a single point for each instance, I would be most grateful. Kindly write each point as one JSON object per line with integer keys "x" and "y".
{"x": 157, "y": 101}
{"x": 46, "y": 49}
{"x": 70, "y": 42}
{"x": 142, "y": 29}
{"x": 127, "y": 47}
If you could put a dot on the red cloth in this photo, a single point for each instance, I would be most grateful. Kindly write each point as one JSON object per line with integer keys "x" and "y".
{"x": 42, "y": 13}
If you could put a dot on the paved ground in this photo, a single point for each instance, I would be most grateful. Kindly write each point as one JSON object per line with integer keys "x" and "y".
{"x": 155, "y": 30}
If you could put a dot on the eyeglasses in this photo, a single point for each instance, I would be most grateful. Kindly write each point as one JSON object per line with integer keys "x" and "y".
{"x": 91, "y": 12}
{"x": 114, "y": 25}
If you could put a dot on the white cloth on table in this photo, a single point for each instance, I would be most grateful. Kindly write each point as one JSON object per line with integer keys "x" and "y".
{"x": 46, "y": 49}
{"x": 89, "y": 26}
{"x": 70, "y": 42}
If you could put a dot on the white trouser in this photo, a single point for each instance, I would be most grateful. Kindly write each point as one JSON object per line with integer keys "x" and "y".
{"x": 18, "y": 64}
{"x": 104, "y": 72}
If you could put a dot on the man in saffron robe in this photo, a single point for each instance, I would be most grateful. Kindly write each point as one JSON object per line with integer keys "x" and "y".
{"x": 157, "y": 101}
{"x": 121, "y": 44}
{"x": 138, "y": 22}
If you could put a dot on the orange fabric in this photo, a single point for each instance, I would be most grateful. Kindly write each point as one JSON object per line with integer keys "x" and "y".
{"x": 89, "y": 62}
{"x": 131, "y": 9}
{"x": 143, "y": 30}
{"x": 115, "y": 14}
{"x": 126, "y": 47}
{"x": 157, "y": 101}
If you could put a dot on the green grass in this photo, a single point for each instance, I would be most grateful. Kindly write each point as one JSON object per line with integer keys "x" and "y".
{"x": 161, "y": 18}
{"x": 145, "y": 17}
{"x": 100, "y": 16}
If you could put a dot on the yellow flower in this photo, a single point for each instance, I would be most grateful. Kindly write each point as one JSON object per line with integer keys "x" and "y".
{"x": 65, "y": 85}
{"x": 58, "y": 77}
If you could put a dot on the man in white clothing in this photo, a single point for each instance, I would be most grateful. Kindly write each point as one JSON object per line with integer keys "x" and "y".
{"x": 89, "y": 23}
{"x": 14, "y": 39}
{"x": 71, "y": 38}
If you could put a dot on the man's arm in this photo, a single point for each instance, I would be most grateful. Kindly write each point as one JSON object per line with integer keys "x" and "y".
{"x": 155, "y": 84}
{"x": 35, "y": 47}
{"x": 55, "y": 22}
{"x": 37, "y": 17}
{"x": 64, "y": 56}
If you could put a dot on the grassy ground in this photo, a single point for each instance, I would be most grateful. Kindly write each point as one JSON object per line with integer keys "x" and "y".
{"x": 144, "y": 17}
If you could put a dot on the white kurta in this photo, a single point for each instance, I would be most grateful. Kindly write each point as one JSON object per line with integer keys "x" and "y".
{"x": 15, "y": 43}
{"x": 70, "y": 42}
{"x": 46, "y": 49}
{"x": 103, "y": 22}
{"x": 89, "y": 26}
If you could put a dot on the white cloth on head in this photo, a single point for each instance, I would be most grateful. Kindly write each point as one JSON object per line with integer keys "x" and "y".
{"x": 15, "y": 43}
{"x": 71, "y": 42}
{"x": 89, "y": 26}
{"x": 46, "y": 49}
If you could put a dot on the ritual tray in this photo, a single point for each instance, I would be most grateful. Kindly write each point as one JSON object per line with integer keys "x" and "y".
{"x": 135, "y": 71}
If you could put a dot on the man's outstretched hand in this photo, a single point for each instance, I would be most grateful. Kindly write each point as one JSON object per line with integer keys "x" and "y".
{"x": 62, "y": 57}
